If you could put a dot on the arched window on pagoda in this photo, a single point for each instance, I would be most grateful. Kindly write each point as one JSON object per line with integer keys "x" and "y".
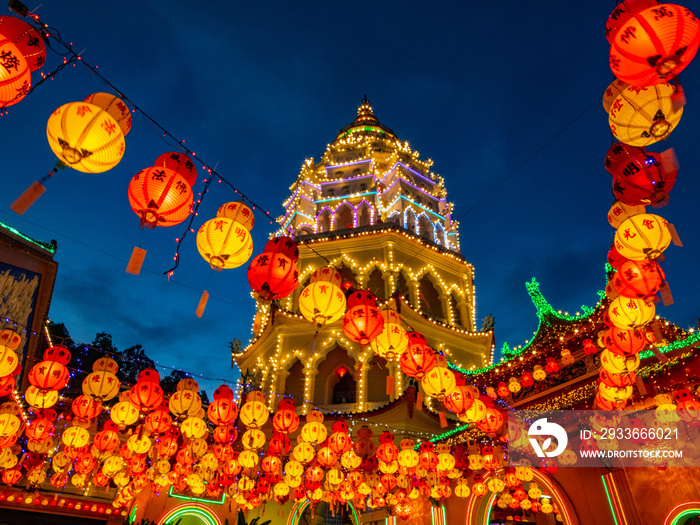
{"x": 295, "y": 383}
{"x": 440, "y": 234}
{"x": 324, "y": 221}
{"x": 345, "y": 390}
{"x": 430, "y": 299}
{"x": 456, "y": 316}
{"x": 376, "y": 381}
{"x": 344, "y": 217}
{"x": 376, "y": 284}
{"x": 394, "y": 218}
{"x": 409, "y": 220}
{"x": 364, "y": 214}
{"x": 425, "y": 228}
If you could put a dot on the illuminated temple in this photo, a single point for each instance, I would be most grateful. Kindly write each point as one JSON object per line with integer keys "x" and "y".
{"x": 376, "y": 213}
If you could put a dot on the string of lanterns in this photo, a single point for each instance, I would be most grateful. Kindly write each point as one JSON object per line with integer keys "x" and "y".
{"x": 651, "y": 43}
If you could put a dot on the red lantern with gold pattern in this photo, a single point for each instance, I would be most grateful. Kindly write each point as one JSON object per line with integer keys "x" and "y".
{"x": 273, "y": 275}
{"x": 222, "y": 412}
{"x": 654, "y": 44}
{"x": 160, "y": 197}
{"x": 362, "y": 322}
{"x": 146, "y": 395}
{"x": 638, "y": 279}
{"x": 285, "y": 421}
{"x": 49, "y": 375}
{"x": 85, "y": 408}
{"x": 418, "y": 358}
{"x": 625, "y": 342}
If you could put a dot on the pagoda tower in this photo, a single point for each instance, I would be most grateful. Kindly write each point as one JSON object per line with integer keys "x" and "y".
{"x": 373, "y": 210}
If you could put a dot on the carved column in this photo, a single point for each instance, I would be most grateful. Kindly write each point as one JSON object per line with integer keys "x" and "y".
{"x": 413, "y": 287}
{"x": 464, "y": 314}
{"x": 361, "y": 395}
{"x": 445, "y": 305}
{"x": 309, "y": 387}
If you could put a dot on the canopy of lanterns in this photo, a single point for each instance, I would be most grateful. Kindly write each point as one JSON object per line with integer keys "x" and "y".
{"x": 246, "y": 453}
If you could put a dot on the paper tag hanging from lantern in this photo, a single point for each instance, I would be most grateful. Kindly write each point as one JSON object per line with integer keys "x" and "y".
{"x": 674, "y": 235}
{"x": 389, "y": 385}
{"x": 419, "y": 400}
{"x": 443, "y": 419}
{"x": 136, "y": 261}
{"x": 202, "y": 304}
{"x": 27, "y": 198}
{"x": 666, "y": 296}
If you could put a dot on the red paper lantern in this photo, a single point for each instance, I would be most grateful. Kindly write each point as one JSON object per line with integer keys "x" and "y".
{"x": 179, "y": 163}
{"x": 146, "y": 395}
{"x": 272, "y": 275}
{"x": 285, "y": 421}
{"x": 15, "y": 75}
{"x": 57, "y": 353}
{"x": 639, "y": 177}
{"x": 285, "y": 246}
{"x": 86, "y": 408}
{"x": 222, "y": 412}
{"x": 160, "y": 197}
{"x": 418, "y": 358}
{"x": 158, "y": 421}
{"x": 39, "y": 429}
{"x": 362, "y": 322}
{"x": 654, "y": 44}
{"x": 459, "y": 400}
{"x": 49, "y": 375}
{"x": 638, "y": 279}
{"x": 224, "y": 392}
{"x": 106, "y": 440}
{"x": 27, "y": 40}
{"x": 626, "y": 342}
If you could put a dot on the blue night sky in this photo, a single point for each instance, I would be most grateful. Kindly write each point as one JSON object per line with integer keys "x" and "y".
{"x": 505, "y": 97}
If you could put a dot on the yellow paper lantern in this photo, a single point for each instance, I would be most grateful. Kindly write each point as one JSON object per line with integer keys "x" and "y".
{"x": 640, "y": 116}
{"x": 322, "y": 303}
{"x": 628, "y": 313}
{"x": 617, "y": 364}
{"x": 248, "y": 459}
{"x": 40, "y": 398}
{"x": 9, "y": 424}
{"x": 85, "y": 137}
{"x": 185, "y": 402}
{"x": 393, "y": 340}
{"x": 253, "y": 439}
{"x": 194, "y": 427}
{"x": 254, "y": 414}
{"x": 101, "y": 385}
{"x": 304, "y": 452}
{"x": 139, "y": 445}
{"x": 124, "y": 414}
{"x": 239, "y": 212}
{"x": 314, "y": 432}
{"x": 75, "y": 437}
{"x": 620, "y": 211}
{"x": 115, "y": 107}
{"x": 642, "y": 236}
{"x": 439, "y": 382}
{"x": 8, "y": 361}
{"x": 224, "y": 243}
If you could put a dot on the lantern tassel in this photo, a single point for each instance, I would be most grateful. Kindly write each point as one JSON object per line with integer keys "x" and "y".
{"x": 202, "y": 304}
{"x": 35, "y": 190}
{"x": 136, "y": 261}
